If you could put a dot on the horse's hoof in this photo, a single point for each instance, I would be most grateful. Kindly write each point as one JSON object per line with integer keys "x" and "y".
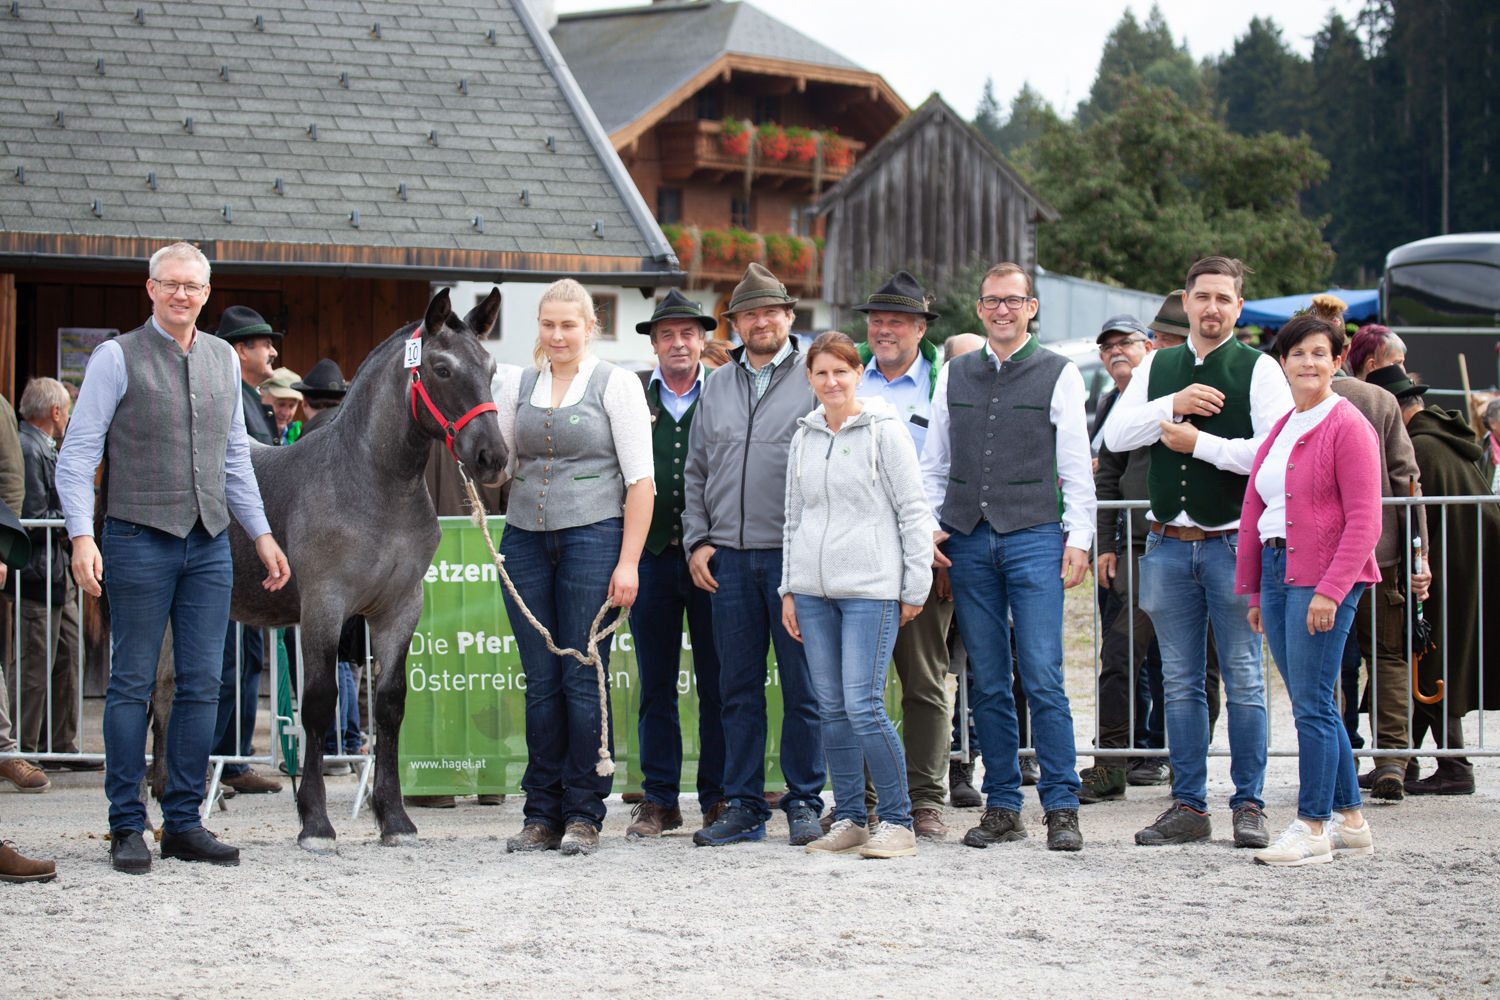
{"x": 398, "y": 839}
{"x": 318, "y": 845}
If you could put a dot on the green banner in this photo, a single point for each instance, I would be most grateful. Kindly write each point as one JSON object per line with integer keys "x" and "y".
{"x": 465, "y": 726}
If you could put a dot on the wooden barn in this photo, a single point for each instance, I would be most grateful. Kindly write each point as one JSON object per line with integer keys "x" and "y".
{"x": 932, "y": 197}
{"x": 333, "y": 158}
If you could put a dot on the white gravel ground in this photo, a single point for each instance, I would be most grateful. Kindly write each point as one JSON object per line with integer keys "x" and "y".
{"x": 456, "y": 916}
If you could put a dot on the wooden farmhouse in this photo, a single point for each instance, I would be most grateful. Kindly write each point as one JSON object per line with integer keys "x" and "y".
{"x": 933, "y": 197}
{"x": 731, "y": 125}
{"x": 333, "y": 158}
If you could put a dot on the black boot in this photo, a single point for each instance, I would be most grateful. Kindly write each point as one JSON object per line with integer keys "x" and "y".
{"x": 961, "y": 791}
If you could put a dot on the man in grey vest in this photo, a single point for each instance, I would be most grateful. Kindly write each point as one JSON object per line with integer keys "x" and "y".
{"x": 162, "y": 405}
{"x": 1007, "y": 452}
{"x": 1203, "y": 409}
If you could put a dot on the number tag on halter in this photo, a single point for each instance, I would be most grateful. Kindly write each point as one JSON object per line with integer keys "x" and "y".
{"x": 413, "y": 353}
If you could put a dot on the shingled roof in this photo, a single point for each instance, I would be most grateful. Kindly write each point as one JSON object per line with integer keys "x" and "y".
{"x": 307, "y": 135}
{"x": 631, "y": 61}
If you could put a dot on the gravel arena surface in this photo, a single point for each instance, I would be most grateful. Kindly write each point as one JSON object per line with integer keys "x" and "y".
{"x": 456, "y": 916}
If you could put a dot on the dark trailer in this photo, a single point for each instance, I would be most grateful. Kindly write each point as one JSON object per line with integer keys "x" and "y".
{"x": 1441, "y": 295}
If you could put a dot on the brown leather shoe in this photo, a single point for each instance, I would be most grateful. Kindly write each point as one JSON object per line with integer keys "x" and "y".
{"x": 26, "y": 776}
{"x": 15, "y": 868}
{"x": 580, "y": 838}
{"x": 430, "y": 801}
{"x": 490, "y": 799}
{"x": 251, "y": 783}
{"x": 651, "y": 820}
{"x": 1441, "y": 783}
{"x": 928, "y": 824}
{"x": 534, "y": 837}
{"x": 712, "y": 813}
{"x": 631, "y": 798}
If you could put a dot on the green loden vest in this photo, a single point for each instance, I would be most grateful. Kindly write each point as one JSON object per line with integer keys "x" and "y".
{"x": 669, "y": 448}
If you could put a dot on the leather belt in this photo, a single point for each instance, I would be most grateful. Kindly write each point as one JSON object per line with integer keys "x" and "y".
{"x": 1185, "y": 533}
{"x": 1275, "y": 543}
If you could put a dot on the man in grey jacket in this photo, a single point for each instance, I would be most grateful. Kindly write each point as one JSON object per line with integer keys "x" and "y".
{"x": 731, "y": 524}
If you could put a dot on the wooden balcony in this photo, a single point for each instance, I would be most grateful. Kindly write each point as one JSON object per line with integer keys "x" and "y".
{"x": 695, "y": 149}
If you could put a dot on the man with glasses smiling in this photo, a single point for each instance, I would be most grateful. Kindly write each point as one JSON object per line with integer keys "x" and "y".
{"x": 1006, "y": 467}
{"x": 162, "y": 405}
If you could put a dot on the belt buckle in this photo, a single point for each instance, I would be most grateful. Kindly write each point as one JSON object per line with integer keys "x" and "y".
{"x": 1191, "y": 533}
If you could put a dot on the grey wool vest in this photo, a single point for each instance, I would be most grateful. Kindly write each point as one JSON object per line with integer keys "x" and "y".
{"x": 567, "y": 470}
{"x": 170, "y": 433}
{"x": 1002, "y": 444}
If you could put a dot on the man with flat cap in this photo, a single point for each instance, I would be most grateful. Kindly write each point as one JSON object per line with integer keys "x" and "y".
{"x": 901, "y": 366}
{"x": 677, "y": 330}
{"x": 256, "y": 346}
{"x": 322, "y": 391}
{"x": 735, "y": 491}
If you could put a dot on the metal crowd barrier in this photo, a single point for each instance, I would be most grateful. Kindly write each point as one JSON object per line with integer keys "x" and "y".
{"x": 1447, "y": 508}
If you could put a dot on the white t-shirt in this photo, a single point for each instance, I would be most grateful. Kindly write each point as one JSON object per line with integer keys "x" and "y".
{"x": 1270, "y": 479}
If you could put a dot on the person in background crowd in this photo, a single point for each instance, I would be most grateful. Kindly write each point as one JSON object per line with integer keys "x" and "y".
{"x": 1203, "y": 409}
{"x": 715, "y": 354}
{"x": 26, "y": 776}
{"x": 1389, "y": 671}
{"x": 256, "y": 346}
{"x": 1462, "y": 556}
{"x": 1489, "y": 463}
{"x": 901, "y": 367}
{"x": 322, "y": 391}
{"x": 677, "y": 329}
{"x": 1125, "y": 655}
{"x": 1314, "y": 507}
{"x": 49, "y": 676}
{"x": 15, "y": 552}
{"x": 284, "y": 401}
{"x": 1006, "y": 454}
{"x": 732, "y": 526}
{"x": 163, "y": 542}
{"x": 1374, "y": 346}
{"x": 856, "y": 566}
{"x": 580, "y": 508}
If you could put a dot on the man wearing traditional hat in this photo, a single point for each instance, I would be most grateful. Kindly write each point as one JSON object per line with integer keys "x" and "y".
{"x": 256, "y": 345}
{"x": 735, "y": 491}
{"x": 322, "y": 392}
{"x": 677, "y": 329}
{"x": 284, "y": 401}
{"x": 178, "y": 464}
{"x": 901, "y": 366}
{"x": 1007, "y": 470}
{"x": 1170, "y": 327}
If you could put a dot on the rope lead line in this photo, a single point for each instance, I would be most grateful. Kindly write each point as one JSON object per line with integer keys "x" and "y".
{"x": 606, "y": 765}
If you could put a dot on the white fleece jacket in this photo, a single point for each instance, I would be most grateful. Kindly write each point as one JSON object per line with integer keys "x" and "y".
{"x": 857, "y": 521}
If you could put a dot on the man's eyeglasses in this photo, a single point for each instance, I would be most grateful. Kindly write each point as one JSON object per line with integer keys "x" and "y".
{"x": 171, "y": 287}
{"x": 1123, "y": 343}
{"x": 1012, "y": 302}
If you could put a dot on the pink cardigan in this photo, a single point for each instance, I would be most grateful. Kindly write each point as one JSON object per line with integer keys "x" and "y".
{"x": 1332, "y": 508}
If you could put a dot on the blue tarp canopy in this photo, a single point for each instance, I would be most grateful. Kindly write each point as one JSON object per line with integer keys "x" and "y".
{"x": 1364, "y": 306}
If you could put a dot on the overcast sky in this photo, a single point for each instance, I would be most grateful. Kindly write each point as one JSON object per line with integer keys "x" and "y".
{"x": 951, "y": 45}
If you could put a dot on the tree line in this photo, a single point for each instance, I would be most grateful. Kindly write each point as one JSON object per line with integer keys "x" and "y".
{"x": 1310, "y": 168}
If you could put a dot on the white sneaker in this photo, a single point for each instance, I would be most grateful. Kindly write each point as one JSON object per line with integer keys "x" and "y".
{"x": 844, "y": 837}
{"x": 1344, "y": 839}
{"x": 890, "y": 841}
{"x": 1297, "y": 846}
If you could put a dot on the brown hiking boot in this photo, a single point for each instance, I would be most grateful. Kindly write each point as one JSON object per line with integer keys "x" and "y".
{"x": 26, "y": 776}
{"x": 534, "y": 837}
{"x": 251, "y": 783}
{"x": 652, "y": 819}
{"x": 712, "y": 813}
{"x": 490, "y": 799}
{"x": 928, "y": 824}
{"x": 581, "y": 838}
{"x": 15, "y": 868}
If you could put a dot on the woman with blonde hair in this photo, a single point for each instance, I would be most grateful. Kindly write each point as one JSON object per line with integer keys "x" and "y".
{"x": 581, "y": 495}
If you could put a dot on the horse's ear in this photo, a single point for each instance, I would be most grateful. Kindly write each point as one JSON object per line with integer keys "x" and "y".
{"x": 438, "y": 311}
{"x": 481, "y": 318}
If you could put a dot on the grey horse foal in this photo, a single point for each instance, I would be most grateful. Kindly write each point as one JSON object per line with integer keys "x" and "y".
{"x": 351, "y": 508}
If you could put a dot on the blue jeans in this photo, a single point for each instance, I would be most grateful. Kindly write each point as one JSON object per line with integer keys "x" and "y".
{"x": 747, "y": 622}
{"x": 848, "y": 642}
{"x": 563, "y": 576}
{"x": 345, "y": 727}
{"x": 997, "y": 578}
{"x": 151, "y": 577}
{"x": 1310, "y": 666}
{"x": 244, "y": 651}
{"x": 1185, "y": 587}
{"x": 666, "y": 594}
